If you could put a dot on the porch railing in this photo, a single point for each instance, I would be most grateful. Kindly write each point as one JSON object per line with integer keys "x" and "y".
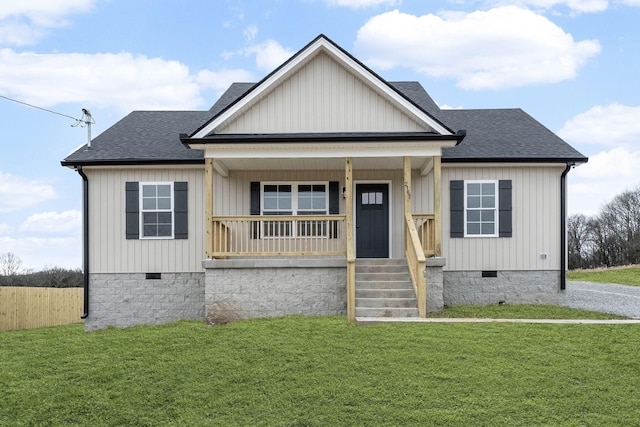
{"x": 416, "y": 261}
{"x": 278, "y": 235}
{"x": 425, "y": 227}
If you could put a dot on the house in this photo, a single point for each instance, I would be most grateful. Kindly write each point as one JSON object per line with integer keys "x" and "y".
{"x": 306, "y": 191}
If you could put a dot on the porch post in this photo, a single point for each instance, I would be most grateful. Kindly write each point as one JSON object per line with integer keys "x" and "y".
{"x": 437, "y": 204}
{"x": 208, "y": 207}
{"x": 351, "y": 257}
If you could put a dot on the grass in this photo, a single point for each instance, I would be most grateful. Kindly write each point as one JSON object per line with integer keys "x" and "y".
{"x": 628, "y": 275}
{"x": 522, "y": 311}
{"x": 321, "y": 371}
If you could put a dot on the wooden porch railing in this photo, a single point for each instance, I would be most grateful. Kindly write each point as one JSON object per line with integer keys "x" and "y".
{"x": 281, "y": 235}
{"x": 416, "y": 262}
{"x": 425, "y": 227}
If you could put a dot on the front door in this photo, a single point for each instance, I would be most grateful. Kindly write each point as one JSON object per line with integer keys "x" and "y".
{"x": 372, "y": 221}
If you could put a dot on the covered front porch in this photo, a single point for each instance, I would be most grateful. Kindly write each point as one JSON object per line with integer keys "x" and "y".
{"x": 347, "y": 208}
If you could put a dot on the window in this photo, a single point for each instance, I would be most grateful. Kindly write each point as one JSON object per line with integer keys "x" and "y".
{"x": 295, "y": 199}
{"x": 156, "y": 219}
{"x": 481, "y": 216}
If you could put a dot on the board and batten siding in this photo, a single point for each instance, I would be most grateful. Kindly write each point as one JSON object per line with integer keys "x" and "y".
{"x": 111, "y": 252}
{"x": 322, "y": 96}
{"x": 536, "y": 221}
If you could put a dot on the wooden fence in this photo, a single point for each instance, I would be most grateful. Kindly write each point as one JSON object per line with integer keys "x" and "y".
{"x": 25, "y": 308}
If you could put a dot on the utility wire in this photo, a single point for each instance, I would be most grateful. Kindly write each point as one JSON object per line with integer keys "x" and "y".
{"x": 43, "y": 109}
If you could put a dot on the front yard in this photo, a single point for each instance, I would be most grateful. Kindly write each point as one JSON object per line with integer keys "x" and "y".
{"x": 300, "y": 371}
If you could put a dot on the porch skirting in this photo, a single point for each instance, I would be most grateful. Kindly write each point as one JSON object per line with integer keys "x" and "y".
{"x": 510, "y": 287}
{"x": 251, "y": 288}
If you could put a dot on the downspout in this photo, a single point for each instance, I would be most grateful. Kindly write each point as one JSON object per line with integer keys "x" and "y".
{"x": 85, "y": 239}
{"x": 563, "y": 226}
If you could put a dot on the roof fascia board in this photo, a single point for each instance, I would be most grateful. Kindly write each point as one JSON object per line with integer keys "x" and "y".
{"x": 320, "y": 43}
{"x": 516, "y": 160}
{"x": 495, "y": 164}
{"x": 322, "y": 150}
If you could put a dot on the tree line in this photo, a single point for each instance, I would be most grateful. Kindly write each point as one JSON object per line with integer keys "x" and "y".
{"x": 13, "y": 274}
{"x": 610, "y": 238}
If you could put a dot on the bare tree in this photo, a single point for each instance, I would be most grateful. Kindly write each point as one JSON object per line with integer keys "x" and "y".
{"x": 10, "y": 266}
{"x": 578, "y": 235}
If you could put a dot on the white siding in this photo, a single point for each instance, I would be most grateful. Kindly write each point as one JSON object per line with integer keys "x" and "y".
{"x": 536, "y": 222}
{"x": 322, "y": 97}
{"x": 110, "y": 252}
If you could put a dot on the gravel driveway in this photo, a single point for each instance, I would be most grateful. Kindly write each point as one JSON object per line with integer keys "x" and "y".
{"x": 605, "y": 297}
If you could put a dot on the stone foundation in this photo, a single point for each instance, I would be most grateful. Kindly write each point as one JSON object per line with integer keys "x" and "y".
{"x": 510, "y": 287}
{"x": 251, "y": 288}
{"x": 131, "y": 299}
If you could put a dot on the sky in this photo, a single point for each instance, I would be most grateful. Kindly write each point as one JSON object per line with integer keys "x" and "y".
{"x": 571, "y": 64}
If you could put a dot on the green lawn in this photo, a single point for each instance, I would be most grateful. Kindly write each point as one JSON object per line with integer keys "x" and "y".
{"x": 321, "y": 371}
{"x": 621, "y": 275}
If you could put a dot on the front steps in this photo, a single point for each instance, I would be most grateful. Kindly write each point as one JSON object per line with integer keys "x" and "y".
{"x": 384, "y": 289}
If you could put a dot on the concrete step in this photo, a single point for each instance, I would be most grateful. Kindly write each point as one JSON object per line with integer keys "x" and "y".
{"x": 384, "y": 284}
{"x": 386, "y": 302}
{"x": 386, "y": 312}
{"x": 385, "y": 293}
{"x": 383, "y": 276}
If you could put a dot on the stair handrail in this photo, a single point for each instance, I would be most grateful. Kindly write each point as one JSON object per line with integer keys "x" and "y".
{"x": 417, "y": 263}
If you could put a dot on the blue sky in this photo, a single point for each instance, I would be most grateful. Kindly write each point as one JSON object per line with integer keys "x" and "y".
{"x": 571, "y": 64}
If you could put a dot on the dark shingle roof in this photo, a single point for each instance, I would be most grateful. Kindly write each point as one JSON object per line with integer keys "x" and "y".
{"x": 505, "y": 135}
{"x": 143, "y": 136}
{"x": 492, "y": 134}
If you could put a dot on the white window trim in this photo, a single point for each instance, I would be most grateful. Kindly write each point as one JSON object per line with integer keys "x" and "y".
{"x": 495, "y": 208}
{"x": 142, "y": 210}
{"x": 294, "y": 193}
{"x": 294, "y": 203}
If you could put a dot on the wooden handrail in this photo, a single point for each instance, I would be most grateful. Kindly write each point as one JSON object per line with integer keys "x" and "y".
{"x": 417, "y": 264}
{"x": 425, "y": 226}
{"x": 278, "y": 235}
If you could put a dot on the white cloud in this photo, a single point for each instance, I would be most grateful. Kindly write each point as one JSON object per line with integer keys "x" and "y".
{"x": 250, "y": 33}
{"x": 18, "y": 193}
{"x": 359, "y": 4}
{"x": 607, "y": 174}
{"x": 630, "y": 2}
{"x": 3, "y": 228}
{"x": 269, "y": 54}
{"x": 26, "y": 21}
{"x": 38, "y": 253}
{"x": 67, "y": 222}
{"x": 498, "y": 48}
{"x": 611, "y": 125}
{"x": 119, "y": 80}
{"x": 576, "y": 6}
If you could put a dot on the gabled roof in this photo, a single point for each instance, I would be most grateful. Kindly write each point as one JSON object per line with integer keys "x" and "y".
{"x": 320, "y": 44}
{"x": 492, "y": 135}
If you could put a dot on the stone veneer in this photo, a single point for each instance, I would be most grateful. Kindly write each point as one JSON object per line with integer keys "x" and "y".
{"x": 130, "y": 299}
{"x": 250, "y": 288}
{"x": 510, "y": 287}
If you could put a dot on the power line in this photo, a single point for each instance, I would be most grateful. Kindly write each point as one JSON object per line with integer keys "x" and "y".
{"x": 43, "y": 109}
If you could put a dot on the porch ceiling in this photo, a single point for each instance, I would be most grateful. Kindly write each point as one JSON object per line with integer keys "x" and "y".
{"x": 320, "y": 163}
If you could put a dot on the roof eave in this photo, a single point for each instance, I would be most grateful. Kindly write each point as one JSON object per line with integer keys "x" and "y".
{"x": 563, "y": 160}
{"x": 130, "y": 162}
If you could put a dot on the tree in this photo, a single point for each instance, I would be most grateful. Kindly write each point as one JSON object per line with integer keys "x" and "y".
{"x": 578, "y": 235}
{"x": 10, "y": 266}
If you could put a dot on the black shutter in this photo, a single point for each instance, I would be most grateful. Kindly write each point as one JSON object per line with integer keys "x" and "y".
{"x": 505, "y": 208}
{"x": 255, "y": 208}
{"x": 180, "y": 202}
{"x": 334, "y": 205}
{"x": 456, "y": 199}
{"x": 132, "y": 210}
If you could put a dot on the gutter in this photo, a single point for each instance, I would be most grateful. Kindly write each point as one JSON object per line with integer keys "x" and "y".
{"x": 85, "y": 239}
{"x": 563, "y": 226}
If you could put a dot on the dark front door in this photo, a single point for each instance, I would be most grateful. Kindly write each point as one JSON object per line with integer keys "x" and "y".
{"x": 372, "y": 221}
